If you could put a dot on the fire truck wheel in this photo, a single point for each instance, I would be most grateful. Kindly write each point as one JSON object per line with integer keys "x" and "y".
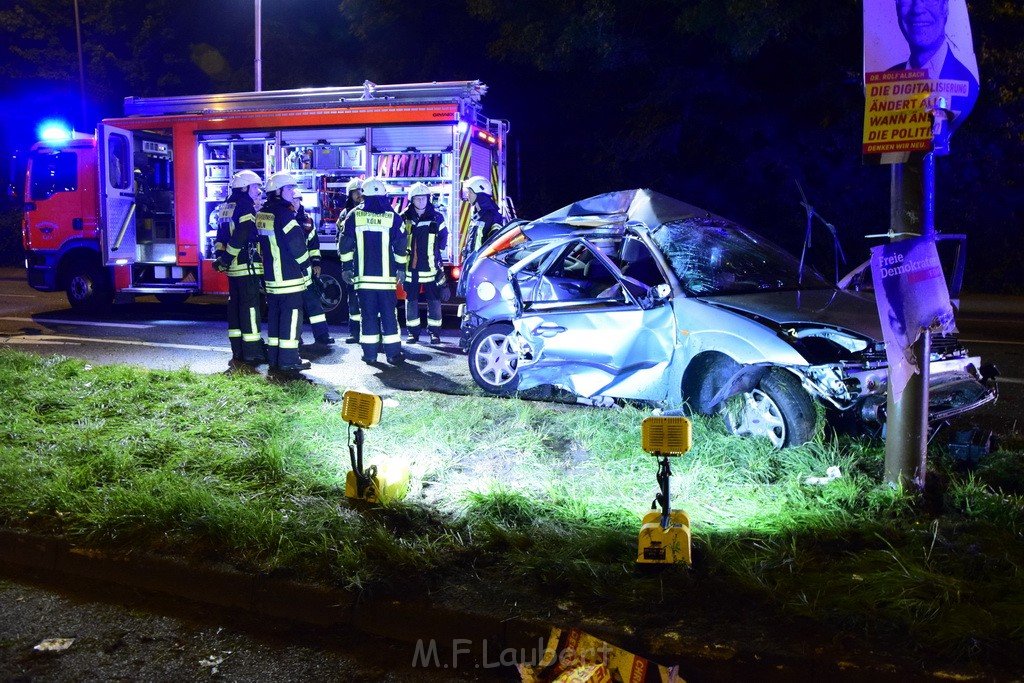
{"x": 492, "y": 360}
{"x": 88, "y": 287}
{"x": 334, "y": 292}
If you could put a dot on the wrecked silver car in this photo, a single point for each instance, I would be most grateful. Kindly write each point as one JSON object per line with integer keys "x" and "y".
{"x": 641, "y": 297}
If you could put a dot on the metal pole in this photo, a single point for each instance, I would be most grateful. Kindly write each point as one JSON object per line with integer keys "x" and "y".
{"x": 81, "y": 66}
{"x": 906, "y": 441}
{"x": 259, "y": 48}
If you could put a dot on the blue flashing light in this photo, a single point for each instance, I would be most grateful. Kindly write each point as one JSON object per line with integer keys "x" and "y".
{"x": 462, "y": 127}
{"x": 54, "y": 132}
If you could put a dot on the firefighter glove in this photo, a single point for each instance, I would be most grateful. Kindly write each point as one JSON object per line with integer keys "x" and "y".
{"x": 400, "y": 276}
{"x": 440, "y": 279}
{"x": 222, "y": 263}
{"x": 347, "y": 276}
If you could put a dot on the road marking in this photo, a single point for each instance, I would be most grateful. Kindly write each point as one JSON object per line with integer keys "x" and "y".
{"x": 30, "y": 339}
{"x": 57, "y": 321}
{"x": 1009, "y": 380}
{"x": 22, "y": 296}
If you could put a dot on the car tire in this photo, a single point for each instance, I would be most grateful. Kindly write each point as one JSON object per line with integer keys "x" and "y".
{"x": 335, "y": 293}
{"x": 778, "y": 408}
{"x": 492, "y": 361}
{"x": 88, "y": 287}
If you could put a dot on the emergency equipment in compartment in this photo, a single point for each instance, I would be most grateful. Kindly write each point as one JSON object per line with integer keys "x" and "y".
{"x": 132, "y": 210}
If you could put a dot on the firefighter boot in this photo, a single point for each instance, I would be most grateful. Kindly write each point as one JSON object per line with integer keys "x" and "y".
{"x": 321, "y": 334}
{"x": 254, "y": 353}
{"x": 353, "y": 332}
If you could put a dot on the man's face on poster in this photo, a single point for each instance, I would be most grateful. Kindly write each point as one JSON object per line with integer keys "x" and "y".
{"x": 923, "y": 23}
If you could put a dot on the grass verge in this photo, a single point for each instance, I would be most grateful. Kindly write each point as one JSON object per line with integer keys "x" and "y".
{"x": 513, "y": 499}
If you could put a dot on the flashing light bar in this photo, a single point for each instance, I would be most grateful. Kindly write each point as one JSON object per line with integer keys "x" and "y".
{"x": 54, "y": 132}
{"x": 484, "y": 136}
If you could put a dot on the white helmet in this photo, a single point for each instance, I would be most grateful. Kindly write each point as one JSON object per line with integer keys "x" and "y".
{"x": 374, "y": 187}
{"x": 245, "y": 179}
{"x": 477, "y": 184}
{"x": 418, "y": 190}
{"x": 353, "y": 185}
{"x": 280, "y": 180}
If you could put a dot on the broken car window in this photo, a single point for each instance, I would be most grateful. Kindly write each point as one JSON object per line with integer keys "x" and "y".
{"x": 713, "y": 258}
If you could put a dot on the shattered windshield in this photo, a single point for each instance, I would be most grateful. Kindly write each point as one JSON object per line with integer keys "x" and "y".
{"x": 711, "y": 256}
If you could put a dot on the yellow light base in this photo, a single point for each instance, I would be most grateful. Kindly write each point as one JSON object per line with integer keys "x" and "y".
{"x": 389, "y": 482}
{"x": 665, "y": 546}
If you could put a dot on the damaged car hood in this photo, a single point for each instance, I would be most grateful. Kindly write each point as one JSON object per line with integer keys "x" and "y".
{"x": 833, "y": 307}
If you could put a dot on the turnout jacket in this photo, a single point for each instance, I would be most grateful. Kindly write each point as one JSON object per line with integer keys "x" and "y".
{"x": 283, "y": 245}
{"x": 374, "y": 245}
{"x": 237, "y": 243}
{"x": 486, "y": 219}
{"x": 312, "y": 239}
{"x": 427, "y": 238}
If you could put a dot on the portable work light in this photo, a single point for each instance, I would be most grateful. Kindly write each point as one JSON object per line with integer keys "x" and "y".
{"x": 665, "y": 535}
{"x": 362, "y": 410}
{"x": 373, "y": 484}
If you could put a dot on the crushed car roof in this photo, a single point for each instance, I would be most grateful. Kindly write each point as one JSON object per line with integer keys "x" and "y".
{"x": 616, "y": 208}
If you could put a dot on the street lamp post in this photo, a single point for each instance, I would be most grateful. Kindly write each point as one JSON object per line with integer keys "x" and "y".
{"x": 81, "y": 66}
{"x": 259, "y": 48}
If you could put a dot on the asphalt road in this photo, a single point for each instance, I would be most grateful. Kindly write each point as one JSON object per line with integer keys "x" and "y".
{"x": 96, "y": 632}
{"x": 194, "y": 334}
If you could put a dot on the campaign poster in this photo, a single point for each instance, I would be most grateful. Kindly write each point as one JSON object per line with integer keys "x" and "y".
{"x": 912, "y": 296}
{"x": 919, "y": 61}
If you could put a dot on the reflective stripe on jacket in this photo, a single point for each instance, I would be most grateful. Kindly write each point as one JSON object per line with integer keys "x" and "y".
{"x": 283, "y": 244}
{"x": 374, "y": 245}
{"x": 427, "y": 238}
{"x": 237, "y": 235}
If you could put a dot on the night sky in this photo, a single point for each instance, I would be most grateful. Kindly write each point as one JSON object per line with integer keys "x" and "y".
{"x": 725, "y": 104}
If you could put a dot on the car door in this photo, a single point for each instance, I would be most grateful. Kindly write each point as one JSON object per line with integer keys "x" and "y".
{"x": 615, "y": 340}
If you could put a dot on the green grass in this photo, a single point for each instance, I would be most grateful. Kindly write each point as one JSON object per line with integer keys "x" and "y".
{"x": 513, "y": 498}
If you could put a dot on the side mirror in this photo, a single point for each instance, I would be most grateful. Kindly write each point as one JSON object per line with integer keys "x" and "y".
{"x": 661, "y": 292}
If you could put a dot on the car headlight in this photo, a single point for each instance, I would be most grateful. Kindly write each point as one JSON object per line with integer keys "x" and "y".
{"x": 486, "y": 291}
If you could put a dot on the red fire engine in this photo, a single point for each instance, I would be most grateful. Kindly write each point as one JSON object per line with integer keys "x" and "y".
{"x": 128, "y": 211}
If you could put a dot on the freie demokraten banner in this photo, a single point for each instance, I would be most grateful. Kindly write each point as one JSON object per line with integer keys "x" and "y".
{"x": 911, "y": 294}
{"x": 918, "y": 57}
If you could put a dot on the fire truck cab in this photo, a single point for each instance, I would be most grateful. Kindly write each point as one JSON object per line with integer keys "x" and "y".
{"x": 130, "y": 211}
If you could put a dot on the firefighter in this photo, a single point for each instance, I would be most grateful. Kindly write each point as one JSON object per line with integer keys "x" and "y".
{"x": 354, "y": 190}
{"x": 427, "y": 237}
{"x": 374, "y": 255}
{"x": 487, "y": 216}
{"x": 311, "y": 304}
{"x": 286, "y": 272}
{"x": 237, "y": 254}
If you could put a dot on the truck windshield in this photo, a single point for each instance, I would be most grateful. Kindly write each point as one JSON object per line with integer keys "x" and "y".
{"x": 53, "y": 172}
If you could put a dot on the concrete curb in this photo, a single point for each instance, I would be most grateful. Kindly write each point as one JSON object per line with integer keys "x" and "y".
{"x": 442, "y": 637}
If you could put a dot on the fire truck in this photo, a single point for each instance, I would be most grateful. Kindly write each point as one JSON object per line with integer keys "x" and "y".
{"x": 129, "y": 211}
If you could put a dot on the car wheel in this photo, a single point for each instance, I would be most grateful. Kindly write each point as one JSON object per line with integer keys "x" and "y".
{"x": 88, "y": 288}
{"x": 778, "y": 408}
{"x": 333, "y": 292}
{"x": 493, "y": 361}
